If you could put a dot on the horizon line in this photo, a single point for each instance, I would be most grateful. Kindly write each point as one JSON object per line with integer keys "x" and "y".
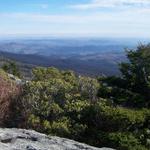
{"x": 59, "y": 36}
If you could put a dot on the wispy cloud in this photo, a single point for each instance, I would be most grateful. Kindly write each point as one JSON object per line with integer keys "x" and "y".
{"x": 131, "y": 22}
{"x": 112, "y": 4}
{"x": 98, "y": 17}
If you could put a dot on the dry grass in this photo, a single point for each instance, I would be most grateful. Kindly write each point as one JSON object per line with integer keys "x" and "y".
{"x": 9, "y": 91}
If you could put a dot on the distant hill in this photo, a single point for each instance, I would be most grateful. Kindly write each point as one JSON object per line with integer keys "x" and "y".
{"x": 47, "y": 47}
{"x": 91, "y": 57}
{"x": 92, "y": 65}
{"x": 23, "y": 67}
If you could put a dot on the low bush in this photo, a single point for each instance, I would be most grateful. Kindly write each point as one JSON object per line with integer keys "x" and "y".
{"x": 9, "y": 93}
{"x": 67, "y": 105}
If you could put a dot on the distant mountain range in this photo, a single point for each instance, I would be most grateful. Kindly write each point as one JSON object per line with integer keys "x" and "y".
{"x": 64, "y": 46}
{"x": 84, "y": 56}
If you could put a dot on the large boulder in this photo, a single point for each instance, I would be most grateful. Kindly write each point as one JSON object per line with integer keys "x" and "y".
{"x": 20, "y": 139}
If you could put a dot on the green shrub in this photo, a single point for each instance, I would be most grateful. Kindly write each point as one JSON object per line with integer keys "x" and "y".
{"x": 64, "y": 104}
{"x": 127, "y": 124}
{"x": 124, "y": 141}
{"x": 53, "y": 95}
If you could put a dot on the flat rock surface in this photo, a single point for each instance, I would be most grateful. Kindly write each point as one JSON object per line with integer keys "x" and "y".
{"x": 20, "y": 139}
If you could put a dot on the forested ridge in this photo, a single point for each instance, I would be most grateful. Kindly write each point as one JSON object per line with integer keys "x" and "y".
{"x": 111, "y": 111}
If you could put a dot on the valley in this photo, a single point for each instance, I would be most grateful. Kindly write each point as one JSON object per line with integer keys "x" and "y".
{"x": 92, "y": 57}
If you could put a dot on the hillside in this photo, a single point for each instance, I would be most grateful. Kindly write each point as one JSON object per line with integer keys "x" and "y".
{"x": 24, "y": 68}
{"x": 98, "y": 63}
{"x": 108, "y": 111}
{"x": 100, "y": 55}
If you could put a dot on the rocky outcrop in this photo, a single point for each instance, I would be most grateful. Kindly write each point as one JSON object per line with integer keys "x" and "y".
{"x": 16, "y": 79}
{"x": 20, "y": 139}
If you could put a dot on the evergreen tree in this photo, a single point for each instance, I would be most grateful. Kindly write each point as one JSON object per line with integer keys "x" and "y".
{"x": 133, "y": 87}
{"x": 12, "y": 68}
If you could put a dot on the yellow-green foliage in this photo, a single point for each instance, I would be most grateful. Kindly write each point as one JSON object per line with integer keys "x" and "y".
{"x": 125, "y": 118}
{"x": 123, "y": 141}
{"x": 3, "y": 75}
{"x": 54, "y": 99}
{"x": 64, "y": 104}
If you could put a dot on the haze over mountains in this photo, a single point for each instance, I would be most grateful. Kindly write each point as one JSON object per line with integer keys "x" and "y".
{"x": 84, "y": 56}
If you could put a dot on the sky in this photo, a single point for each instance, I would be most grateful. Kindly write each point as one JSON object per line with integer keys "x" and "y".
{"x": 85, "y": 18}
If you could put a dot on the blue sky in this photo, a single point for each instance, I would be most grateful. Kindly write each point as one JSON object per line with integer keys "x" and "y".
{"x": 88, "y": 18}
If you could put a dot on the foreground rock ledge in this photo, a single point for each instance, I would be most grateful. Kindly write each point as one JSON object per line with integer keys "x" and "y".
{"x": 20, "y": 139}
